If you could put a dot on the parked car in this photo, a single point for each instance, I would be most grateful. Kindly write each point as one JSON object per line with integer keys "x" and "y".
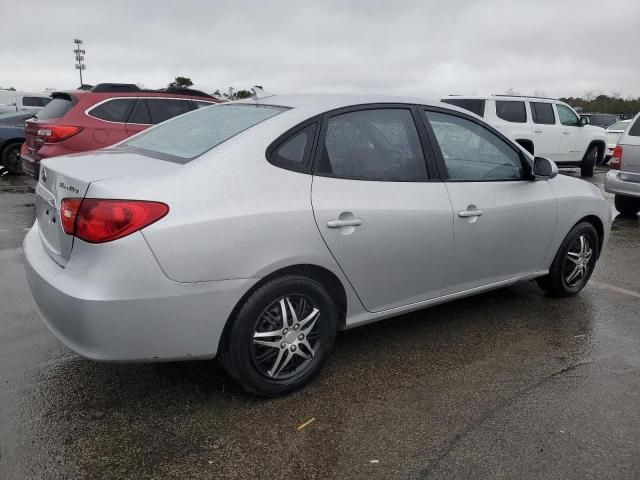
{"x": 322, "y": 213}
{"x": 613, "y": 135}
{"x": 11, "y": 101}
{"x": 545, "y": 127}
{"x": 602, "y": 120}
{"x": 623, "y": 178}
{"x": 11, "y": 139}
{"x": 81, "y": 120}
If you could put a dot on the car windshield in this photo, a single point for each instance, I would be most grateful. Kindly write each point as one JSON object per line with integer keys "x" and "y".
{"x": 188, "y": 136}
{"x": 619, "y": 126}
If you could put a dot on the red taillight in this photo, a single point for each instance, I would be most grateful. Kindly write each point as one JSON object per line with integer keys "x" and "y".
{"x": 96, "y": 220}
{"x": 55, "y": 133}
{"x": 616, "y": 159}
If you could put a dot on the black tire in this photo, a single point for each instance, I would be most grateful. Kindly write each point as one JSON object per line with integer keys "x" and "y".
{"x": 10, "y": 157}
{"x": 628, "y": 206}
{"x": 247, "y": 362}
{"x": 589, "y": 162}
{"x": 555, "y": 283}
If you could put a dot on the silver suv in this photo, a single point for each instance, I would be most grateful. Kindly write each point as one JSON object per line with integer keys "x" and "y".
{"x": 545, "y": 127}
{"x": 624, "y": 177}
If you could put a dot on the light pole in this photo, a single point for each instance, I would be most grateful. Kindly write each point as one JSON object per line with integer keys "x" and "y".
{"x": 80, "y": 52}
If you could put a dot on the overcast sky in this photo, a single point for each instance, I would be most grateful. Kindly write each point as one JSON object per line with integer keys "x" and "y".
{"x": 423, "y": 48}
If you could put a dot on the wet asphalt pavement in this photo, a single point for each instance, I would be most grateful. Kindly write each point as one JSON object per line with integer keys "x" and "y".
{"x": 509, "y": 384}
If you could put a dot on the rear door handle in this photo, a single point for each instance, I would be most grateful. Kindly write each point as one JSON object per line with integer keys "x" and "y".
{"x": 565, "y": 132}
{"x": 470, "y": 213}
{"x": 352, "y": 222}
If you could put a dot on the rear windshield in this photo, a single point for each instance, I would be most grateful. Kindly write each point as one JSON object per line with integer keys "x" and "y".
{"x": 186, "y": 137}
{"x": 474, "y": 105}
{"x": 634, "y": 131}
{"x": 35, "y": 101}
{"x": 56, "y": 108}
{"x": 619, "y": 126}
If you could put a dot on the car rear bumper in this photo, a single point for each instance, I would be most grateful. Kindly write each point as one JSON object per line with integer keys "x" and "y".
{"x": 614, "y": 184}
{"x": 119, "y": 306}
{"x": 30, "y": 165}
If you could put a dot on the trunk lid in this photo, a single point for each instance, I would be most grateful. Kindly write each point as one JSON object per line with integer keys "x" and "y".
{"x": 57, "y": 108}
{"x": 70, "y": 177}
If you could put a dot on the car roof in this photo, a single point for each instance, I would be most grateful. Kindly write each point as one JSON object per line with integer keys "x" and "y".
{"x": 504, "y": 97}
{"x": 333, "y": 101}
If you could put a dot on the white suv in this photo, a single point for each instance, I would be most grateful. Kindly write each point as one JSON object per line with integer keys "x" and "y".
{"x": 544, "y": 126}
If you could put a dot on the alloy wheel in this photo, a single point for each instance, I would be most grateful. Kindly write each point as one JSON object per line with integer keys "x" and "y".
{"x": 578, "y": 261}
{"x": 285, "y": 337}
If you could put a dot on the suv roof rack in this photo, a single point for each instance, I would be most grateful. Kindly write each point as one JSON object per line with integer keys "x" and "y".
{"x": 132, "y": 87}
{"x": 523, "y": 96}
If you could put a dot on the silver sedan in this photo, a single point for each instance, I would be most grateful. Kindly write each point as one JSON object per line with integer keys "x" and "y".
{"x": 254, "y": 230}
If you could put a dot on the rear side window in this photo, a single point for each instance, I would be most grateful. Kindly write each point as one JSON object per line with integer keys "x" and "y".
{"x": 56, "y": 108}
{"x": 293, "y": 153}
{"x": 161, "y": 109}
{"x": 35, "y": 101}
{"x": 542, "y": 113}
{"x": 634, "y": 131}
{"x": 116, "y": 110}
{"x": 511, "y": 111}
{"x": 472, "y": 104}
{"x": 184, "y": 138}
{"x": 376, "y": 144}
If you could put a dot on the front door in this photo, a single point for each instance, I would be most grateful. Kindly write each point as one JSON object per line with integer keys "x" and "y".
{"x": 572, "y": 139}
{"x": 503, "y": 223}
{"x": 388, "y": 227}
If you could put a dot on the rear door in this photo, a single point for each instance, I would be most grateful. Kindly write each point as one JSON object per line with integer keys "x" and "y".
{"x": 385, "y": 222}
{"x": 112, "y": 114}
{"x": 546, "y": 140}
{"x": 503, "y": 223}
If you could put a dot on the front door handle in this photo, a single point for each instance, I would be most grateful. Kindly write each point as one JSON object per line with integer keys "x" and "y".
{"x": 470, "y": 213}
{"x": 565, "y": 132}
{"x": 351, "y": 222}
{"x": 537, "y": 130}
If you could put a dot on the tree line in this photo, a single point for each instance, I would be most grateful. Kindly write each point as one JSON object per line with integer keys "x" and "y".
{"x": 604, "y": 103}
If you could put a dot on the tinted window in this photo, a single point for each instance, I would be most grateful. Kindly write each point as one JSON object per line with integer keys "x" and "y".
{"x": 163, "y": 109}
{"x": 185, "y": 138}
{"x": 566, "y": 116}
{"x": 35, "y": 101}
{"x": 116, "y": 110}
{"x": 293, "y": 153}
{"x": 542, "y": 113}
{"x": 140, "y": 113}
{"x": 473, "y": 153}
{"x": 472, "y": 104}
{"x": 511, "y": 111}
{"x": 56, "y": 108}
{"x": 380, "y": 144}
{"x": 634, "y": 131}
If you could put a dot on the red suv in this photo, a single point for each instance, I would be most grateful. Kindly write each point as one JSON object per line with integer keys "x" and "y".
{"x": 81, "y": 120}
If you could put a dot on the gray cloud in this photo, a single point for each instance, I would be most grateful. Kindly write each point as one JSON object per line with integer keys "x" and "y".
{"x": 425, "y": 48}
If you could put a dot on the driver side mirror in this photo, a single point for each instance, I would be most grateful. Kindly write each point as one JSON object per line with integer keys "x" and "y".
{"x": 544, "y": 169}
{"x": 584, "y": 121}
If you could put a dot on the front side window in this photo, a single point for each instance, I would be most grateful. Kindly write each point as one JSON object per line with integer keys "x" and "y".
{"x": 184, "y": 138}
{"x": 567, "y": 117}
{"x": 376, "y": 144}
{"x": 542, "y": 113}
{"x": 511, "y": 111}
{"x": 116, "y": 110}
{"x": 473, "y": 153}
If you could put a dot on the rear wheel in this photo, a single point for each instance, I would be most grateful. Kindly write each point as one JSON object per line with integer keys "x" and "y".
{"x": 11, "y": 157}
{"x": 281, "y": 336}
{"x": 629, "y": 206}
{"x": 589, "y": 162}
{"x": 574, "y": 262}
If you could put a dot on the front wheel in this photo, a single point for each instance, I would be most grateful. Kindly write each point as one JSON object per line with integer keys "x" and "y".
{"x": 589, "y": 162}
{"x": 281, "y": 336}
{"x": 574, "y": 262}
{"x": 628, "y": 206}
